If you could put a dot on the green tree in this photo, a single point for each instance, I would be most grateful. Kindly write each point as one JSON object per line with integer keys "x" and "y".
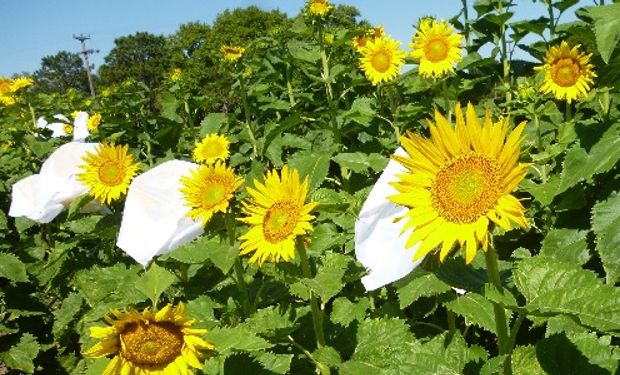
{"x": 60, "y": 72}
{"x": 143, "y": 57}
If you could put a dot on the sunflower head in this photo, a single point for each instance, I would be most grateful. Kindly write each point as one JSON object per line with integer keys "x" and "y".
{"x": 108, "y": 172}
{"x": 459, "y": 182}
{"x": 67, "y": 128}
{"x": 212, "y": 147}
{"x": 277, "y": 214}
{"x": 5, "y": 85}
{"x": 381, "y": 59}
{"x": 149, "y": 343}
{"x": 20, "y": 83}
{"x": 232, "y": 53}
{"x": 319, "y": 8}
{"x": 437, "y": 47}
{"x": 568, "y": 72}
{"x": 175, "y": 74}
{"x": 208, "y": 189}
{"x": 93, "y": 122}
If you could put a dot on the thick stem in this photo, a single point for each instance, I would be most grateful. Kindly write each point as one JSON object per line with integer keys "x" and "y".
{"x": 505, "y": 57}
{"x": 239, "y": 272}
{"x": 500, "y": 314}
{"x": 248, "y": 115}
{"x": 328, "y": 87}
{"x": 466, "y": 23}
{"x": 551, "y": 19}
{"x": 317, "y": 314}
{"x": 568, "y": 116}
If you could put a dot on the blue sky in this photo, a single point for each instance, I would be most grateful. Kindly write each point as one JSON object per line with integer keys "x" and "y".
{"x": 32, "y": 29}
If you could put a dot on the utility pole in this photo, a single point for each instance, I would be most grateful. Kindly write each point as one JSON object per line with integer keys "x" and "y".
{"x": 83, "y": 38}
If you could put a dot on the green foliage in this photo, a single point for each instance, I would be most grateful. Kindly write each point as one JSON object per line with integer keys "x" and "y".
{"x": 61, "y": 72}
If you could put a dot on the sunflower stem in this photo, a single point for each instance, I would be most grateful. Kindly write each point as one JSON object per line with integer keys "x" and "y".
{"x": 551, "y": 19}
{"x": 446, "y": 98}
{"x": 248, "y": 115}
{"x": 501, "y": 325}
{"x": 321, "y": 367}
{"x": 504, "y": 51}
{"x": 317, "y": 315}
{"x": 328, "y": 86}
{"x": 239, "y": 272}
{"x": 466, "y": 23}
{"x": 568, "y": 116}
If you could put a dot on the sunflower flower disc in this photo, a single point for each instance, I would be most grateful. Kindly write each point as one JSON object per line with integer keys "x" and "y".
{"x": 232, "y": 53}
{"x": 568, "y": 72}
{"x": 212, "y": 147}
{"x": 208, "y": 189}
{"x": 148, "y": 343}
{"x": 381, "y": 59}
{"x": 108, "y": 172}
{"x": 459, "y": 182}
{"x": 319, "y": 7}
{"x": 437, "y": 47}
{"x": 277, "y": 214}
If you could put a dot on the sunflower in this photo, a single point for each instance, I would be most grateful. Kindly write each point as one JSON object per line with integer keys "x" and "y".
{"x": 108, "y": 172}
{"x": 319, "y": 7}
{"x": 208, "y": 189}
{"x": 67, "y": 128}
{"x": 212, "y": 147}
{"x": 276, "y": 215}
{"x": 232, "y": 53}
{"x": 568, "y": 72}
{"x": 381, "y": 59}
{"x": 93, "y": 122}
{"x": 149, "y": 343}
{"x": 20, "y": 83}
{"x": 437, "y": 47}
{"x": 459, "y": 182}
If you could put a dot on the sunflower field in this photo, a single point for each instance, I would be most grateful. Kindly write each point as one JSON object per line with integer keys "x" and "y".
{"x": 343, "y": 204}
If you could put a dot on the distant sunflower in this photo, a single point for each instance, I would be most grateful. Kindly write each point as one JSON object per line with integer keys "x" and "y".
{"x": 277, "y": 214}
{"x": 437, "y": 47}
{"x": 108, "y": 172}
{"x": 67, "y": 128}
{"x": 359, "y": 42}
{"x": 93, "y": 122}
{"x": 208, "y": 189}
{"x": 381, "y": 59}
{"x": 459, "y": 182}
{"x": 212, "y": 147}
{"x": 20, "y": 83}
{"x": 146, "y": 343}
{"x": 319, "y": 7}
{"x": 232, "y": 53}
{"x": 568, "y": 72}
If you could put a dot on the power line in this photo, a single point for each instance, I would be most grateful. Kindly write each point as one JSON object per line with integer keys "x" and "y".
{"x": 83, "y": 38}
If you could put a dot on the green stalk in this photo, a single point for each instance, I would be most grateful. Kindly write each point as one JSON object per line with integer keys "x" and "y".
{"x": 568, "y": 116}
{"x": 446, "y": 98}
{"x": 248, "y": 115}
{"x": 328, "y": 86}
{"x": 466, "y": 22}
{"x": 500, "y": 314}
{"x": 505, "y": 58}
{"x": 239, "y": 273}
{"x": 317, "y": 315}
{"x": 551, "y": 19}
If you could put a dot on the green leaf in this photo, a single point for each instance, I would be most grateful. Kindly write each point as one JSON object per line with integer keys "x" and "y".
{"x": 277, "y": 363}
{"x": 12, "y": 268}
{"x": 169, "y": 106}
{"x": 566, "y": 245}
{"x": 344, "y": 312}
{"x": 77, "y": 204}
{"x": 272, "y": 322}
{"x": 154, "y": 282}
{"x": 231, "y": 339}
{"x": 525, "y": 362}
{"x": 20, "y": 356}
{"x": 556, "y": 287}
{"x": 419, "y": 284}
{"x": 109, "y": 284}
{"x": 606, "y": 28}
{"x": 475, "y": 309}
{"x": 212, "y": 123}
{"x": 360, "y": 162}
{"x": 303, "y": 51}
{"x": 311, "y": 165}
{"x": 544, "y": 193}
{"x": 606, "y": 227}
{"x": 328, "y": 280}
{"x": 583, "y": 354}
{"x": 67, "y": 312}
{"x": 579, "y": 164}
{"x": 362, "y": 111}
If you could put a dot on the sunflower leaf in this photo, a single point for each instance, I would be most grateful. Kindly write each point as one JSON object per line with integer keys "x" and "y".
{"x": 232, "y": 339}
{"x": 311, "y": 165}
{"x": 419, "y": 284}
{"x": 475, "y": 309}
{"x": 606, "y": 227}
{"x": 154, "y": 282}
{"x": 20, "y": 356}
{"x": 12, "y": 268}
{"x": 567, "y": 245}
{"x": 606, "y": 28}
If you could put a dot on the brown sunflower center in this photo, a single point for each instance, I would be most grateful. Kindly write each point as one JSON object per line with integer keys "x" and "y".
{"x": 213, "y": 193}
{"x": 466, "y": 189}
{"x": 436, "y": 50}
{"x": 280, "y": 221}
{"x": 151, "y": 343}
{"x": 111, "y": 173}
{"x": 381, "y": 61}
{"x": 565, "y": 72}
